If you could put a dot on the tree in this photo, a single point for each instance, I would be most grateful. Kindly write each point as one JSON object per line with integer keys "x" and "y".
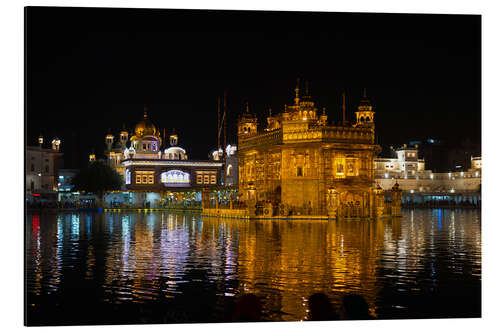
{"x": 98, "y": 178}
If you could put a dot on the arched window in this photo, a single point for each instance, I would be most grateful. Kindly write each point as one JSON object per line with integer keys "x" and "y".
{"x": 170, "y": 156}
{"x": 361, "y": 120}
{"x": 229, "y": 171}
{"x": 367, "y": 119}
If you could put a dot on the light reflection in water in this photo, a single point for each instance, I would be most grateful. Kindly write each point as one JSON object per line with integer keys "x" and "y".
{"x": 75, "y": 226}
{"x": 56, "y": 259}
{"x": 124, "y": 268}
{"x": 88, "y": 224}
{"x": 440, "y": 219}
{"x": 36, "y": 253}
{"x": 110, "y": 223}
{"x": 163, "y": 256}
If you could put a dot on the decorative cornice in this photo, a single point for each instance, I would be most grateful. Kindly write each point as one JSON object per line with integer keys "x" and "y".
{"x": 152, "y": 162}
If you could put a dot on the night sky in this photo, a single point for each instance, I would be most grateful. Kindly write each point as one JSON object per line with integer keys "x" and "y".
{"x": 93, "y": 69}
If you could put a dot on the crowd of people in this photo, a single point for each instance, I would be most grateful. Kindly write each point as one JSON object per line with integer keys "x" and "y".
{"x": 40, "y": 205}
{"x": 86, "y": 204}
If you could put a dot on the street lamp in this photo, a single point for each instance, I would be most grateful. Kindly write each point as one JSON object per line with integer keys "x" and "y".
{"x": 40, "y": 143}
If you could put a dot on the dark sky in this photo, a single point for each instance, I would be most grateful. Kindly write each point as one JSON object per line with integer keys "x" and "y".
{"x": 93, "y": 69}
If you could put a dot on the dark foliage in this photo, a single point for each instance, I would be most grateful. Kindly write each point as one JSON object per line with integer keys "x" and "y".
{"x": 97, "y": 178}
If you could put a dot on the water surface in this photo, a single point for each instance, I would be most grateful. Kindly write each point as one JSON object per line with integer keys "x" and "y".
{"x": 87, "y": 268}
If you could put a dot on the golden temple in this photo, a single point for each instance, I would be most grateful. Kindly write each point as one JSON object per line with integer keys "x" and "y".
{"x": 299, "y": 164}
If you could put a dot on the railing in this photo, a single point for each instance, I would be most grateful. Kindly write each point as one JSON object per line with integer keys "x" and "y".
{"x": 330, "y": 134}
{"x": 427, "y": 174}
{"x": 261, "y": 139}
{"x": 147, "y": 205}
{"x": 226, "y": 205}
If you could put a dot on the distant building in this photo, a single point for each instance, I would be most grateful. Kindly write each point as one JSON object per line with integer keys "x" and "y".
{"x": 42, "y": 165}
{"x": 434, "y": 152}
{"x": 459, "y": 158}
{"x": 229, "y": 173}
{"x": 441, "y": 156}
{"x": 231, "y": 166}
{"x": 64, "y": 179}
{"x": 410, "y": 173}
{"x": 405, "y": 165}
{"x": 476, "y": 164}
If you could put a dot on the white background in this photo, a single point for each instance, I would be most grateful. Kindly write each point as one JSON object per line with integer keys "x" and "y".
{"x": 12, "y": 167}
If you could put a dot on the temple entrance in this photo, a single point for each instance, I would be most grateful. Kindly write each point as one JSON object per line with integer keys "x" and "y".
{"x": 352, "y": 205}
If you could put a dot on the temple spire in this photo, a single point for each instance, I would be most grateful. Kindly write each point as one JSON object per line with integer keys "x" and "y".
{"x": 225, "y": 120}
{"x": 297, "y": 98}
{"x": 218, "y": 122}
{"x": 145, "y": 111}
{"x": 343, "y": 109}
{"x": 364, "y": 93}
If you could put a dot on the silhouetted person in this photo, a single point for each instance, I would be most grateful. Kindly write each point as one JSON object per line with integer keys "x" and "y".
{"x": 356, "y": 307}
{"x": 248, "y": 308}
{"x": 320, "y": 308}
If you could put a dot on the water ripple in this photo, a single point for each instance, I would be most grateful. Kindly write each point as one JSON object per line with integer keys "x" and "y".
{"x": 160, "y": 257}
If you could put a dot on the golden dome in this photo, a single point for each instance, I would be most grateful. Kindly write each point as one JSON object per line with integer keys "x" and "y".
{"x": 145, "y": 127}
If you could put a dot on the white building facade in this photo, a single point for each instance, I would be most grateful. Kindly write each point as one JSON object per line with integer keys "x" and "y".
{"x": 409, "y": 172}
{"x": 42, "y": 166}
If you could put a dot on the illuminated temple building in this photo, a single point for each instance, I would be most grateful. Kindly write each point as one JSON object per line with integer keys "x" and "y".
{"x": 308, "y": 166}
{"x": 155, "y": 170}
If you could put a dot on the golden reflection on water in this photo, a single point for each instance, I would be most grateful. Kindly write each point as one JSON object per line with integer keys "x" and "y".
{"x": 300, "y": 259}
{"x": 141, "y": 257}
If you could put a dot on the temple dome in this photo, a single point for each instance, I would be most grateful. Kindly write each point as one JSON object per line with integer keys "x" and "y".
{"x": 175, "y": 153}
{"x": 145, "y": 127}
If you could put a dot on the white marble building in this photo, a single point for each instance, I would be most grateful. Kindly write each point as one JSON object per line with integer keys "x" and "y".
{"x": 410, "y": 173}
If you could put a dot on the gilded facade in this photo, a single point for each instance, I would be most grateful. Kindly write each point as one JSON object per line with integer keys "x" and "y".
{"x": 306, "y": 166}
